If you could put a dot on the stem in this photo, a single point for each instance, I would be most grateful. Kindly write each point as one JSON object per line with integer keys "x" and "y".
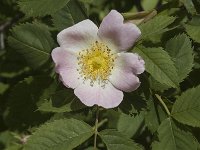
{"x": 163, "y": 104}
{"x": 2, "y": 44}
{"x": 102, "y": 122}
{"x": 96, "y": 128}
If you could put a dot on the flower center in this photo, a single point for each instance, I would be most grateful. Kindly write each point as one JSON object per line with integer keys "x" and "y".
{"x": 96, "y": 63}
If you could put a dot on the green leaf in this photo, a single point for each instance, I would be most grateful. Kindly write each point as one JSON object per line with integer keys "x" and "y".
{"x": 154, "y": 116}
{"x": 3, "y": 88}
{"x": 62, "y": 101}
{"x": 186, "y": 109}
{"x": 155, "y": 26}
{"x": 14, "y": 147}
{"x": 159, "y": 64}
{"x": 116, "y": 141}
{"x": 173, "y": 138}
{"x": 7, "y": 138}
{"x": 63, "y": 134}
{"x": 193, "y": 29}
{"x": 181, "y": 51}
{"x": 157, "y": 86}
{"x": 189, "y": 5}
{"x": 21, "y": 103}
{"x": 193, "y": 32}
{"x": 71, "y": 14}
{"x": 132, "y": 104}
{"x": 33, "y": 41}
{"x": 129, "y": 126}
{"x": 12, "y": 65}
{"x": 149, "y": 5}
{"x": 41, "y": 7}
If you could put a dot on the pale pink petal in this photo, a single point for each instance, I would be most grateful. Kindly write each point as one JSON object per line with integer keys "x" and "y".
{"x": 108, "y": 97}
{"x": 70, "y": 77}
{"x": 63, "y": 59}
{"x": 66, "y": 66}
{"x": 122, "y": 75}
{"x": 114, "y": 30}
{"x": 79, "y": 36}
{"x": 60, "y": 78}
{"x": 125, "y": 81}
{"x": 130, "y": 62}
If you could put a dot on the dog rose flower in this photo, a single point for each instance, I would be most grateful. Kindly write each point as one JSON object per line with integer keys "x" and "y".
{"x": 93, "y": 61}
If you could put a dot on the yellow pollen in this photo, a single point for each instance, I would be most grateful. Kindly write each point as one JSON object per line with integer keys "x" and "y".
{"x": 96, "y": 63}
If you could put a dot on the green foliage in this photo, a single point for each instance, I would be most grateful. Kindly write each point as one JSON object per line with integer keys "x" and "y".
{"x": 61, "y": 101}
{"x": 157, "y": 86}
{"x": 189, "y": 5}
{"x": 154, "y": 116}
{"x": 186, "y": 108}
{"x": 71, "y": 14}
{"x": 192, "y": 28}
{"x": 41, "y": 7}
{"x": 38, "y": 112}
{"x": 3, "y": 88}
{"x": 25, "y": 95}
{"x": 117, "y": 141}
{"x": 159, "y": 64}
{"x": 149, "y": 5}
{"x": 12, "y": 64}
{"x": 7, "y": 139}
{"x": 181, "y": 51}
{"x": 129, "y": 126}
{"x": 33, "y": 41}
{"x": 155, "y": 27}
{"x": 173, "y": 138}
{"x": 133, "y": 103}
{"x": 63, "y": 134}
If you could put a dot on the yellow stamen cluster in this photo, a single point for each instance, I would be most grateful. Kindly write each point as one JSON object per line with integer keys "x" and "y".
{"x": 96, "y": 63}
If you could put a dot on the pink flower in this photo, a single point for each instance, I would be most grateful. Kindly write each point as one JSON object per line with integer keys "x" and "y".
{"x": 93, "y": 61}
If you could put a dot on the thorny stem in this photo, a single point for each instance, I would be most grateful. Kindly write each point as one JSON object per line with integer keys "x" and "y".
{"x": 163, "y": 104}
{"x": 96, "y": 128}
